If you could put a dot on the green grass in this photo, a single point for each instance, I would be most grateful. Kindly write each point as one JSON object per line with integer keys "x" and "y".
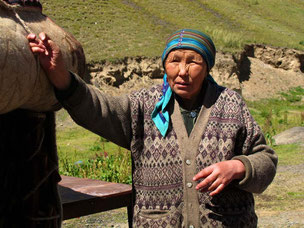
{"x": 279, "y": 114}
{"x": 112, "y": 29}
{"x": 296, "y": 195}
{"x": 76, "y": 142}
{"x": 290, "y": 154}
{"x": 84, "y": 154}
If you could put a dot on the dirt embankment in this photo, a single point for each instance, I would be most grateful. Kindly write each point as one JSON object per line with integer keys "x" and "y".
{"x": 257, "y": 72}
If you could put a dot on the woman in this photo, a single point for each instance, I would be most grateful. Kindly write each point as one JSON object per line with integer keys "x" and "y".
{"x": 197, "y": 153}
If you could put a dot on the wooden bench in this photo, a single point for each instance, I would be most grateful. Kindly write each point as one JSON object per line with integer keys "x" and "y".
{"x": 82, "y": 196}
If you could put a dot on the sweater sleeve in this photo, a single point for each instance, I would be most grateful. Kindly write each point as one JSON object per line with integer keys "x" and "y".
{"x": 259, "y": 159}
{"x": 107, "y": 116}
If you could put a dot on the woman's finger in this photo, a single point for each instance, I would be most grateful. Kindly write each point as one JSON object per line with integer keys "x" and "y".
{"x": 203, "y": 173}
{"x": 37, "y": 49}
{"x": 35, "y": 44}
{"x": 50, "y": 46}
{"x": 217, "y": 190}
{"x": 31, "y": 37}
{"x": 214, "y": 185}
{"x": 32, "y": 44}
{"x": 204, "y": 184}
{"x": 43, "y": 36}
{"x": 45, "y": 40}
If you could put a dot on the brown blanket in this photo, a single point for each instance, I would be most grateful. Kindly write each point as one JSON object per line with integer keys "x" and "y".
{"x": 29, "y": 170}
{"x": 23, "y": 82}
{"x": 35, "y": 3}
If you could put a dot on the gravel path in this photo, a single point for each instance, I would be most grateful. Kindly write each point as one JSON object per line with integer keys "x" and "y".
{"x": 288, "y": 176}
{"x": 282, "y": 219}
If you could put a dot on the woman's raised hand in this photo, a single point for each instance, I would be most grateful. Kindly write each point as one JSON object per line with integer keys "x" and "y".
{"x": 217, "y": 176}
{"x": 51, "y": 59}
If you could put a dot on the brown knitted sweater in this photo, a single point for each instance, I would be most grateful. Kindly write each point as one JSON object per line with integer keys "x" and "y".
{"x": 163, "y": 167}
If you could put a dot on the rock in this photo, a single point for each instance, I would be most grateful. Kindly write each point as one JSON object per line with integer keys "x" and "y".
{"x": 225, "y": 71}
{"x": 284, "y": 58}
{"x": 292, "y": 135}
{"x": 123, "y": 70}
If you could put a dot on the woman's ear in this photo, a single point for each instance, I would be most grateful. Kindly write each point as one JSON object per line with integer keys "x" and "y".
{"x": 165, "y": 66}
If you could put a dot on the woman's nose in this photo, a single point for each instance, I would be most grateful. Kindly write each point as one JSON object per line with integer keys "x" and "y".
{"x": 183, "y": 69}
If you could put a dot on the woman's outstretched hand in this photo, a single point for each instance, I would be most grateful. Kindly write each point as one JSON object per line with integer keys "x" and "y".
{"x": 217, "y": 176}
{"x": 51, "y": 60}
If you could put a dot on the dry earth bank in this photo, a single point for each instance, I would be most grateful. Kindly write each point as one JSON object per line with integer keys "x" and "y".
{"x": 257, "y": 72}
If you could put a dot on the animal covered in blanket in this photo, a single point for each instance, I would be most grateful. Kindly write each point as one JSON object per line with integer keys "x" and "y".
{"x": 29, "y": 171}
{"x": 23, "y": 83}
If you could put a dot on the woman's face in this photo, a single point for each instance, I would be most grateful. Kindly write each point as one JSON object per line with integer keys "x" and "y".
{"x": 186, "y": 71}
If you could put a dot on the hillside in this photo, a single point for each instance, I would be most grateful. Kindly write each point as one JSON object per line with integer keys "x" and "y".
{"x": 113, "y": 29}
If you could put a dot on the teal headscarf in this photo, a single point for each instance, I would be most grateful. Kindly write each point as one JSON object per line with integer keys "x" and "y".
{"x": 181, "y": 39}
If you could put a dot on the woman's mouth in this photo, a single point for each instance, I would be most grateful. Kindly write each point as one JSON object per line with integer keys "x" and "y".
{"x": 182, "y": 84}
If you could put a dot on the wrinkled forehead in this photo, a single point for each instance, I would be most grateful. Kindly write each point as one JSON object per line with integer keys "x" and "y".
{"x": 185, "y": 53}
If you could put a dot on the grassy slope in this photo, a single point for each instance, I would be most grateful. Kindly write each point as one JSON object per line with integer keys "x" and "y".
{"x": 111, "y": 29}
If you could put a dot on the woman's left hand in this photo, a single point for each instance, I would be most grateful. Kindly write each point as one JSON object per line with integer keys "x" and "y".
{"x": 217, "y": 176}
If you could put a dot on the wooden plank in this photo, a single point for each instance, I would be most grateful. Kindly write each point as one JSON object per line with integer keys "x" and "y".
{"x": 82, "y": 196}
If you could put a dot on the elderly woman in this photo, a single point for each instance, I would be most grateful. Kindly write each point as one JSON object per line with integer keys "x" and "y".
{"x": 197, "y": 153}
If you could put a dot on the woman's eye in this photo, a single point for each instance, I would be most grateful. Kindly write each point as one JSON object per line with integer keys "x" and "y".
{"x": 195, "y": 62}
